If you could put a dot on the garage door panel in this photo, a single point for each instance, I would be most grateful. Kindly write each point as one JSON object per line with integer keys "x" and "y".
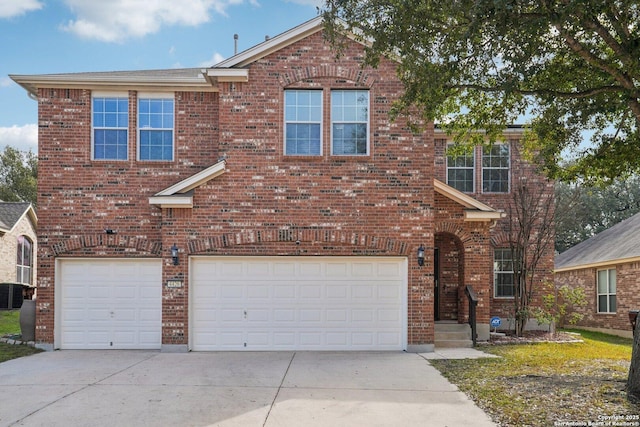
{"x": 319, "y": 303}
{"x": 109, "y": 304}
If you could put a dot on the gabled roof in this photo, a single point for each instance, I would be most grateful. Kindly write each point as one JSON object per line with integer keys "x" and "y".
{"x": 180, "y": 195}
{"x": 196, "y": 79}
{"x": 618, "y": 244}
{"x": 12, "y": 212}
{"x": 273, "y": 44}
{"x": 475, "y": 210}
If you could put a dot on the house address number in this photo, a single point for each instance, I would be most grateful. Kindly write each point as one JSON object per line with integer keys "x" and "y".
{"x": 174, "y": 283}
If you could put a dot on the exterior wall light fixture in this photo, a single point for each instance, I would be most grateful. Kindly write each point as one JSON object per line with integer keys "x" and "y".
{"x": 174, "y": 254}
{"x": 421, "y": 256}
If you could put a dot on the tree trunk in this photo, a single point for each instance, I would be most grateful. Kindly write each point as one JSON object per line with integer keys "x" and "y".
{"x": 633, "y": 382}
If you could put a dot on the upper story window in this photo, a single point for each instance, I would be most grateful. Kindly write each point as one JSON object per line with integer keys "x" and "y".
{"x": 349, "y": 122}
{"x": 495, "y": 168}
{"x": 503, "y": 277}
{"x": 24, "y": 260}
{"x": 461, "y": 170}
{"x": 155, "y": 127}
{"x": 110, "y": 127}
{"x": 303, "y": 122}
{"x": 607, "y": 291}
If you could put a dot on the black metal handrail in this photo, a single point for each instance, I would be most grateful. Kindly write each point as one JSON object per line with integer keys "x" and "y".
{"x": 473, "y": 302}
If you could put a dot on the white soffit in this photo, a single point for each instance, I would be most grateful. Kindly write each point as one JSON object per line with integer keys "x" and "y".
{"x": 476, "y": 211}
{"x": 180, "y": 195}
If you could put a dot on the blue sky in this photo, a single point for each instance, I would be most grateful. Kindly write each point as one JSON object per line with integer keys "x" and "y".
{"x": 66, "y": 36}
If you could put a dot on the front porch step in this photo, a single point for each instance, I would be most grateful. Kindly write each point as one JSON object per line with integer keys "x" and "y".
{"x": 453, "y": 335}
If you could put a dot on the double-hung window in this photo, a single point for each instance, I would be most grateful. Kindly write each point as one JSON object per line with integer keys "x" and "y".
{"x": 110, "y": 116}
{"x": 503, "y": 277}
{"x": 495, "y": 168}
{"x": 607, "y": 291}
{"x": 303, "y": 122}
{"x": 461, "y": 170}
{"x": 24, "y": 261}
{"x": 349, "y": 122}
{"x": 155, "y": 127}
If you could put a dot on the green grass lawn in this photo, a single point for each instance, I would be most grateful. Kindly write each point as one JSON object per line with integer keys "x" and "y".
{"x": 9, "y": 322}
{"x": 547, "y": 383}
{"x": 10, "y": 325}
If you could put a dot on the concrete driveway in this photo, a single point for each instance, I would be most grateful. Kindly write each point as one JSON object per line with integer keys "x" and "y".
{"x": 131, "y": 388}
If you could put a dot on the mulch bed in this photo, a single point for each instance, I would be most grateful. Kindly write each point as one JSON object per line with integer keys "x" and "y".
{"x": 530, "y": 337}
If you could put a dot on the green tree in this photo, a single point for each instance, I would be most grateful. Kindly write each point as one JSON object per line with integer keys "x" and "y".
{"x": 480, "y": 64}
{"x": 582, "y": 211}
{"x": 18, "y": 176}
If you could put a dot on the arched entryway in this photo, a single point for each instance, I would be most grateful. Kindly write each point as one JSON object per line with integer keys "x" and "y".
{"x": 449, "y": 277}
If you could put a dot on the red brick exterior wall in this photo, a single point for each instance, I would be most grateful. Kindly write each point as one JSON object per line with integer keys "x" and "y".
{"x": 380, "y": 204}
{"x": 523, "y": 172}
{"x": 627, "y": 295}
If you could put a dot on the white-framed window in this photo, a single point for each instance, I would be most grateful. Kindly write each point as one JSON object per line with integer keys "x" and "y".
{"x": 350, "y": 122}
{"x": 503, "y": 277}
{"x": 156, "y": 127}
{"x": 461, "y": 170}
{"x": 24, "y": 260}
{"x": 303, "y": 122}
{"x": 607, "y": 291}
{"x": 110, "y": 126}
{"x": 496, "y": 162}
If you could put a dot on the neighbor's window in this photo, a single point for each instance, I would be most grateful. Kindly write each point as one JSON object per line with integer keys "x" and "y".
{"x": 110, "y": 127}
{"x": 24, "y": 262}
{"x": 460, "y": 170}
{"x": 349, "y": 122}
{"x": 607, "y": 291}
{"x": 155, "y": 127}
{"x": 303, "y": 122}
{"x": 503, "y": 278}
{"x": 495, "y": 168}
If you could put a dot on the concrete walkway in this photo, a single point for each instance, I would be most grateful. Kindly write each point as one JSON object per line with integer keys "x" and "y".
{"x": 130, "y": 388}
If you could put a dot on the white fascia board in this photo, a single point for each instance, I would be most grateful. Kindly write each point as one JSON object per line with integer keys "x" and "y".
{"x": 240, "y": 75}
{"x": 185, "y": 202}
{"x": 474, "y": 215}
{"x": 460, "y": 197}
{"x": 195, "y": 180}
{"x": 273, "y": 44}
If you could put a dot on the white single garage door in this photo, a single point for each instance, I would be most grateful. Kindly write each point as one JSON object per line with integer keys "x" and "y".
{"x": 298, "y": 303}
{"x": 109, "y": 304}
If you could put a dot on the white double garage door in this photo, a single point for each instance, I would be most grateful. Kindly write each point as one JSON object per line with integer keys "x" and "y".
{"x": 238, "y": 303}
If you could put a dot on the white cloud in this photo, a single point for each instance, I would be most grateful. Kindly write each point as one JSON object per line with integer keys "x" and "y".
{"x": 12, "y": 8}
{"x": 21, "y": 137}
{"x": 212, "y": 61}
{"x": 118, "y": 20}
{"x": 314, "y": 3}
{"x": 5, "y": 82}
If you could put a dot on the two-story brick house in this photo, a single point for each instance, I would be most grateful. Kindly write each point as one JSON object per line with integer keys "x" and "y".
{"x": 265, "y": 203}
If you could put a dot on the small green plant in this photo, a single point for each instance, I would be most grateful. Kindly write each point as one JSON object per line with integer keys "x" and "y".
{"x": 559, "y": 306}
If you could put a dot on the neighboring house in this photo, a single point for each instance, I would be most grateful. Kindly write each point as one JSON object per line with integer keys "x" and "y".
{"x": 266, "y": 203}
{"x": 607, "y": 268}
{"x": 18, "y": 243}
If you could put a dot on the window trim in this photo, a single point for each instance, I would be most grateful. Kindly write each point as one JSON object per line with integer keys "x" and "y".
{"x": 21, "y": 267}
{"x": 503, "y": 272}
{"x": 319, "y": 123}
{"x": 608, "y": 294}
{"x": 155, "y": 96}
{"x": 104, "y": 95}
{"x": 367, "y": 123}
{"x": 472, "y": 168}
{"x": 508, "y": 169}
